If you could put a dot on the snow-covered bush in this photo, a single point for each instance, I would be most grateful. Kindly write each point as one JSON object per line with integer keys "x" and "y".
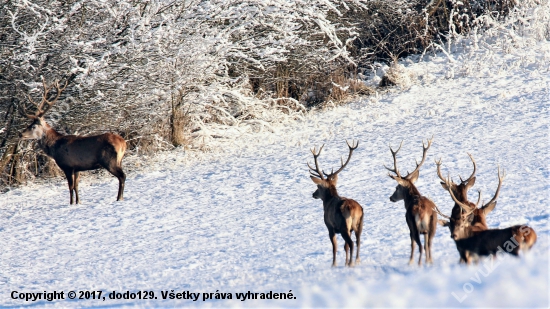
{"x": 180, "y": 73}
{"x": 162, "y": 72}
{"x": 398, "y": 75}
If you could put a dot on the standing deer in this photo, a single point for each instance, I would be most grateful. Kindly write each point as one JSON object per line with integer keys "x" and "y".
{"x": 74, "y": 153}
{"x": 472, "y": 236}
{"x": 420, "y": 215}
{"x": 466, "y": 213}
{"x": 469, "y": 217}
{"x": 342, "y": 215}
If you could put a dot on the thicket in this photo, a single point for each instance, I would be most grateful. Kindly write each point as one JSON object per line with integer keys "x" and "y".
{"x": 164, "y": 73}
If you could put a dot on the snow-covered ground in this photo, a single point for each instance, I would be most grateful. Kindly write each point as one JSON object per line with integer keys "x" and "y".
{"x": 244, "y": 219}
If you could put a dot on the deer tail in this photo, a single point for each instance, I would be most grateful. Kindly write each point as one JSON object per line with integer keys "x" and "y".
{"x": 525, "y": 236}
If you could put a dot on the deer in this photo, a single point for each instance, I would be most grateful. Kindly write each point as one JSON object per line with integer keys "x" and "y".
{"x": 420, "y": 215}
{"x": 341, "y": 215}
{"x": 466, "y": 217}
{"x": 472, "y": 236}
{"x": 459, "y": 190}
{"x": 469, "y": 217}
{"x": 74, "y": 153}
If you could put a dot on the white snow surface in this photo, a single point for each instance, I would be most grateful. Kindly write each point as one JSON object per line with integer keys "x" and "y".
{"x": 244, "y": 219}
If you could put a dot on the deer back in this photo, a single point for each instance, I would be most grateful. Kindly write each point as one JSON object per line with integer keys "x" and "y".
{"x": 87, "y": 152}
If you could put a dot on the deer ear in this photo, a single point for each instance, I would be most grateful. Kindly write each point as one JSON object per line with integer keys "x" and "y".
{"x": 489, "y": 207}
{"x": 470, "y": 183}
{"x": 414, "y": 176}
{"x": 443, "y": 222}
{"x": 402, "y": 182}
{"x": 316, "y": 180}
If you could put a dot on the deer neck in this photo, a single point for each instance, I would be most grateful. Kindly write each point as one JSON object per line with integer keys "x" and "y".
{"x": 48, "y": 140}
{"x": 470, "y": 231}
{"x": 331, "y": 195}
{"x": 411, "y": 197}
{"x": 462, "y": 195}
{"x": 479, "y": 223}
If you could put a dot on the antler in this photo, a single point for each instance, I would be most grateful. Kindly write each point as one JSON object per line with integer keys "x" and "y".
{"x": 440, "y": 213}
{"x": 40, "y": 111}
{"x": 351, "y": 149}
{"x": 438, "y": 163}
{"x": 500, "y": 179}
{"x": 316, "y": 171}
{"x": 473, "y": 173}
{"x": 478, "y": 197}
{"x": 465, "y": 208}
{"x": 424, "y": 151}
{"x": 393, "y": 153}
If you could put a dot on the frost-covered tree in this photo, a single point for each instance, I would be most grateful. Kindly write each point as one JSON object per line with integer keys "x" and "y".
{"x": 162, "y": 72}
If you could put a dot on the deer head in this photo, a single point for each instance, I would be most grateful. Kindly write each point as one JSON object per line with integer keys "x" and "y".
{"x": 459, "y": 190}
{"x": 326, "y": 187}
{"x": 38, "y": 126}
{"x": 405, "y": 184}
{"x": 470, "y": 219}
{"x": 458, "y": 225}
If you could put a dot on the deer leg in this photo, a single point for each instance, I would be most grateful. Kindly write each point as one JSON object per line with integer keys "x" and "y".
{"x": 70, "y": 179}
{"x": 468, "y": 258}
{"x": 417, "y": 240}
{"x": 121, "y": 181}
{"x": 433, "y": 229}
{"x": 333, "y": 240}
{"x": 76, "y": 179}
{"x": 413, "y": 234}
{"x": 346, "y": 249}
{"x": 427, "y": 247}
{"x": 412, "y": 250}
{"x": 118, "y": 173}
{"x": 349, "y": 243}
{"x": 358, "y": 238}
{"x": 430, "y": 238}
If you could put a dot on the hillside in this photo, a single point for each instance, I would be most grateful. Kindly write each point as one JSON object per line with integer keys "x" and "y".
{"x": 243, "y": 219}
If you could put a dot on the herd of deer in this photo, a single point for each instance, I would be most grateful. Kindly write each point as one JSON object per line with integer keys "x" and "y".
{"x": 467, "y": 222}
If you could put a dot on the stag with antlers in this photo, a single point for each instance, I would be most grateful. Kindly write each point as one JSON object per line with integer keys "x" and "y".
{"x": 471, "y": 234}
{"x": 342, "y": 215}
{"x": 74, "y": 153}
{"x": 475, "y": 216}
{"x": 420, "y": 216}
{"x": 459, "y": 190}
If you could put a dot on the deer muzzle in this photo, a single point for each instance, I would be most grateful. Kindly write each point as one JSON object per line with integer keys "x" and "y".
{"x": 315, "y": 194}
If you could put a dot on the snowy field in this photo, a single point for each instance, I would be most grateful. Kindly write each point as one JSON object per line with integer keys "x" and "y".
{"x": 244, "y": 219}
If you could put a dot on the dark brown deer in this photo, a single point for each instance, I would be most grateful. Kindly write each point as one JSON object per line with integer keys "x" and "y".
{"x": 342, "y": 215}
{"x": 459, "y": 190}
{"x": 475, "y": 240}
{"x": 74, "y": 153}
{"x": 420, "y": 215}
{"x": 469, "y": 218}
